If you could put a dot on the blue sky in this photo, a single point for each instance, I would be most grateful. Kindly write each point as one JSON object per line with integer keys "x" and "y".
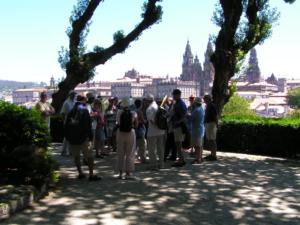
{"x": 32, "y": 33}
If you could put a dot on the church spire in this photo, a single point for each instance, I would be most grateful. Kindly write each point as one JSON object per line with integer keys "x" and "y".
{"x": 187, "y": 64}
{"x": 188, "y": 55}
{"x": 208, "y": 70}
{"x": 253, "y": 71}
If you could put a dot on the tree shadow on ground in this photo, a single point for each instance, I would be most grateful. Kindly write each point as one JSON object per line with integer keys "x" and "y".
{"x": 230, "y": 191}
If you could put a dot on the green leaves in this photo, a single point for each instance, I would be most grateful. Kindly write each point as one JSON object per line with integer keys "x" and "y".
{"x": 294, "y": 98}
{"x": 78, "y": 10}
{"x": 119, "y": 35}
{"x": 151, "y": 11}
{"x": 21, "y": 126}
{"x": 238, "y": 106}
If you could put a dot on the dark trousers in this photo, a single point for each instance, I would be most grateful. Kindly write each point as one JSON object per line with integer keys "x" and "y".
{"x": 170, "y": 147}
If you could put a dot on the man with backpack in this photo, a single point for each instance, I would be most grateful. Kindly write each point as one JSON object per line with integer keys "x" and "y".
{"x": 155, "y": 135}
{"x": 79, "y": 134}
{"x": 126, "y": 122}
{"x": 66, "y": 108}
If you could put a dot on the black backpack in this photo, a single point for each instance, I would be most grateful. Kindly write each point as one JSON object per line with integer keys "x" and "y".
{"x": 161, "y": 119}
{"x": 74, "y": 127}
{"x": 126, "y": 121}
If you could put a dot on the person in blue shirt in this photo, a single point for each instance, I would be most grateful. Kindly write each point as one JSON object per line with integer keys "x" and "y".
{"x": 197, "y": 131}
{"x": 179, "y": 125}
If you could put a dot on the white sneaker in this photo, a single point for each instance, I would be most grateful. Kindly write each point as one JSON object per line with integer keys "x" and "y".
{"x": 130, "y": 177}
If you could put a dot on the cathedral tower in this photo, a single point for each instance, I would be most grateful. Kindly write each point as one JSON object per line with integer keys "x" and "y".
{"x": 253, "y": 72}
{"x": 187, "y": 65}
{"x": 208, "y": 70}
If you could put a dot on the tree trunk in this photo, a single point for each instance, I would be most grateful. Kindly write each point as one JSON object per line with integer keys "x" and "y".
{"x": 220, "y": 91}
{"x": 65, "y": 87}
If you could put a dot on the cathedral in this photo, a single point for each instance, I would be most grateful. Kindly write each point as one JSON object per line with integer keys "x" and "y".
{"x": 192, "y": 69}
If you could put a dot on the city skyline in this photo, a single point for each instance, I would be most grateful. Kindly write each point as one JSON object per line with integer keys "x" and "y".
{"x": 30, "y": 46}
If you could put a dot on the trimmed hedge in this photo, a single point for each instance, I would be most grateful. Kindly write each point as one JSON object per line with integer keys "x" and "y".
{"x": 244, "y": 134}
{"x": 261, "y": 136}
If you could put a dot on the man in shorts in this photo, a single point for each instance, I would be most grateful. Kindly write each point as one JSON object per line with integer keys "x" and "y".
{"x": 179, "y": 123}
{"x": 79, "y": 134}
{"x": 211, "y": 124}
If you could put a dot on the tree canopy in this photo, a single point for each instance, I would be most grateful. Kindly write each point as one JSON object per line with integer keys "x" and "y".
{"x": 237, "y": 106}
{"x": 80, "y": 63}
{"x": 243, "y": 24}
{"x": 294, "y": 98}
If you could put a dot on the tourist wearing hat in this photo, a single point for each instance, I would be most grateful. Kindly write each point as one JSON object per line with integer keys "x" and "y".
{"x": 65, "y": 109}
{"x": 197, "y": 129}
{"x": 79, "y": 134}
{"x": 126, "y": 139}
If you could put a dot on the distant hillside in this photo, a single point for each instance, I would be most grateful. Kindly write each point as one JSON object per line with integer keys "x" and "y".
{"x": 6, "y": 85}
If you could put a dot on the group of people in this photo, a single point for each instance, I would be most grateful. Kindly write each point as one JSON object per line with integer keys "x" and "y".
{"x": 149, "y": 130}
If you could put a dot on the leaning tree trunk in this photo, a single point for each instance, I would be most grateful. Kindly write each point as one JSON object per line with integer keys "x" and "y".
{"x": 236, "y": 38}
{"x": 65, "y": 87}
{"x": 223, "y": 58}
{"x": 220, "y": 91}
{"x": 80, "y": 65}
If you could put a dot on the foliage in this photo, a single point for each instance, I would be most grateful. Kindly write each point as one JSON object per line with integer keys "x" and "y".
{"x": 262, "y": 136}
{"x": 21, "y": 126}
{"x": 24, "y": 138}
{"x": 243, "y": 24}
{"x": 119, "y": 35}
{"x": 237, "y": 106}
{"x": 294, "y": 98}
{"x": 79, "y": 63}
{"x": 295, "y": 114}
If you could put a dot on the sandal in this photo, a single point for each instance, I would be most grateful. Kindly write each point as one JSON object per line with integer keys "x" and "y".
{"x": 196, "y": 161}
{"x": 130, "y": 177}
{"x": 99, "y": 156}
{"x": 94, "y": 178}
{"x": 179, "y": 164}
{"x": 81, "y": 176}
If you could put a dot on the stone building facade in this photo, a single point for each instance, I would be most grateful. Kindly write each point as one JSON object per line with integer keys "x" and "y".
{"x": 163, "y": 88}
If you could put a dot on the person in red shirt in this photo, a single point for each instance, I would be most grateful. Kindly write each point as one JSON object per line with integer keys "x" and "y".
{"x": 99, "y": 133}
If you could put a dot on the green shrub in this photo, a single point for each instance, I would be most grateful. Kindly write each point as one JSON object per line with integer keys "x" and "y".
{"x": 21, "y": 126}
{"x": 24, "y": 138}
{"x": 293, "y": 98}
{"x": 238, "y": 106}
{"x": 263, "y": 136}
{"x": 294, "y": 114}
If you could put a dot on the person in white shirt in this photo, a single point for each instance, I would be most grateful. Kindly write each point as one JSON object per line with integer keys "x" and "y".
{"x": 66, "y": 108}
{"x": 155, "y": 136}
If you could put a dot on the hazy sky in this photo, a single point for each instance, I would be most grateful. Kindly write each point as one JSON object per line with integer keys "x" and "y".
{"x": 33, "y": 31}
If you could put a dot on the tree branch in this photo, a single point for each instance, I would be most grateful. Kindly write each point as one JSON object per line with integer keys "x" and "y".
{"x": 151, "y": 15}
{"x": 79, "y": 25}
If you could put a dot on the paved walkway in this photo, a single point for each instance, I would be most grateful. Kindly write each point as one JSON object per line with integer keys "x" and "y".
{"x": 238, "y": 189}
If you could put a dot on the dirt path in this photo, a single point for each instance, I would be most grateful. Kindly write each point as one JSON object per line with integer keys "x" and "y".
{"x": 238, "y": 189}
